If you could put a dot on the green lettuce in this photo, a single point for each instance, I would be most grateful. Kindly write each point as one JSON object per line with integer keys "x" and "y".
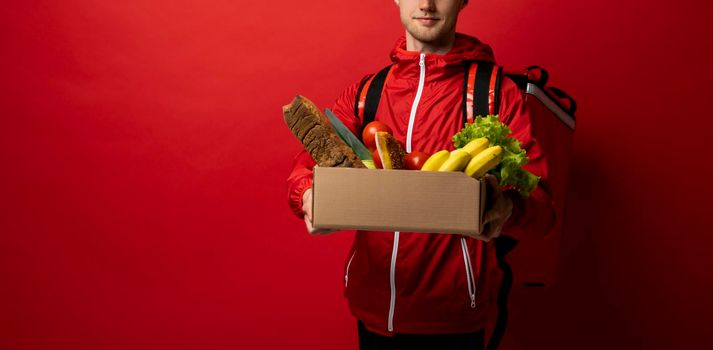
{"x": 509, "y": 172}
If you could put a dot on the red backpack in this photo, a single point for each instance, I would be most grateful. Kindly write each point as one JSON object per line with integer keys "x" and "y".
{"x": 533, "y": 264}
{"x": 553, "y": 123}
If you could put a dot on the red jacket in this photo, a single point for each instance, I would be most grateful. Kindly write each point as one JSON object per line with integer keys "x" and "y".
{"x": 430, "y": 283}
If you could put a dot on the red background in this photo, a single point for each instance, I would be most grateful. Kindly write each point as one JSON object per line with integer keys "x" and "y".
{"x": 144, "y": 156}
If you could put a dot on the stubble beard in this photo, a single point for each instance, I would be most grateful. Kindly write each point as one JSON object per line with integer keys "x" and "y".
{"x": 432, "y": 36}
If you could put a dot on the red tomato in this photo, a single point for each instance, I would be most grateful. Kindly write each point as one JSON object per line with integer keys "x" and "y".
{"x": 415, "y": 160}
{"x": 377, "y": 159}
{"x": 367, "y": 136}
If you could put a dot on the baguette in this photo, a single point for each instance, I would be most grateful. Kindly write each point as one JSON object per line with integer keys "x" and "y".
{"x": 313, "y": 129}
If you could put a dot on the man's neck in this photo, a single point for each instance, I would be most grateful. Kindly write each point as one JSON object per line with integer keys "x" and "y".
{"x": 437, "y": 47}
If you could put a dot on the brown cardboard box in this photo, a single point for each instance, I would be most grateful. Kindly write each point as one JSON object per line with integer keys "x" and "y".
{"x": 397, "y": 200}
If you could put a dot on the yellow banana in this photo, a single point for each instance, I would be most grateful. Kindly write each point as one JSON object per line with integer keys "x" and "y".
{"x": 484, "y": 161}
{"x": 434, "y": 162}
{"x": 457, "y": 161}
{"x": 476, "y": 146}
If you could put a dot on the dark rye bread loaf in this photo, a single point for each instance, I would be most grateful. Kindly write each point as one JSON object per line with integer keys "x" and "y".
{"x": 313, "y": 129}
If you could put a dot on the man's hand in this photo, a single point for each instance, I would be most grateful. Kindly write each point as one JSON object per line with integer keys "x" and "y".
{"x": 307, "y": 209}
{"x": 498, "y": 208}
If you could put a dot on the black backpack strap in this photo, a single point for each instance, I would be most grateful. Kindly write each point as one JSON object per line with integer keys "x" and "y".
{"x": 495, "y": 93}
{"x": 468, "y": 87}
{"x": 369, "y": 94}
{"x": 481, "y": 95}
{"x": 361, "y": 96}
{"x": 481, "y": 90}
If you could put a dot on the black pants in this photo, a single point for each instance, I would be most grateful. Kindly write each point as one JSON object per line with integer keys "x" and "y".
{"x": 466, "y": 341}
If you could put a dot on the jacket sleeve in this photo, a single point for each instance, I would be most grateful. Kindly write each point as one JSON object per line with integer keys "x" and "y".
{"x": 300, "y": 179}
{"x": 534, "y": 216}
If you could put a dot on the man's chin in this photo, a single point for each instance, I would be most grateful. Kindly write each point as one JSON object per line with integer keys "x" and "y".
{"x": 427, "y": 36}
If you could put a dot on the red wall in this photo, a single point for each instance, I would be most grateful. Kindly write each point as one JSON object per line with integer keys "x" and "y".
{"x": 144, "y": 157}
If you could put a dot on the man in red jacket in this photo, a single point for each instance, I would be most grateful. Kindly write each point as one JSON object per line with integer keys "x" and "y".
{"x": 430, "y": 291}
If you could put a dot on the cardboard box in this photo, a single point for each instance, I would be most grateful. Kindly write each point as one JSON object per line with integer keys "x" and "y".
{"x": 397, "y": 200}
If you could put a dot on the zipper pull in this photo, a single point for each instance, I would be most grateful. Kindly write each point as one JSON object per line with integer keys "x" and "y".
{"x": 422, "y": 60}
{"x": 472, "y": 301}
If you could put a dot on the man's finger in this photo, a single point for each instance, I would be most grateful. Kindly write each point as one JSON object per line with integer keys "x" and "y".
{"x": 488, "y": 217}
{"x": 495, "y": 229}
{"x": 308, "y": 225}
{"x": 307, "y": 204}
{"x": 316, "y": 231}
{"x": 485, "y": 235}
{"x": 306, "y": 212}
{"x": 491, "y": 230}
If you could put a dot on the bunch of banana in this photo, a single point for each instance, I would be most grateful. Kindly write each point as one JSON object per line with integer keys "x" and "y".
{"x": 475, "y": 158}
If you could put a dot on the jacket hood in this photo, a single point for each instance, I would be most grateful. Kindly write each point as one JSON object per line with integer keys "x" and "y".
{"x": 465, "y": 48}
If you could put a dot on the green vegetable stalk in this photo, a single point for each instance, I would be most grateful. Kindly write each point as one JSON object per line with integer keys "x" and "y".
{"x": 509, "y": 171}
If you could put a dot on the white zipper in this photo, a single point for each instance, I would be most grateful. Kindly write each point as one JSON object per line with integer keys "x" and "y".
{"x": 468, "y": 272}
{"x": 416, "y": 100}
{"x": 346, "y": 273}
{"x": 392, "y": 277}
{"x": 412, "y": 117}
